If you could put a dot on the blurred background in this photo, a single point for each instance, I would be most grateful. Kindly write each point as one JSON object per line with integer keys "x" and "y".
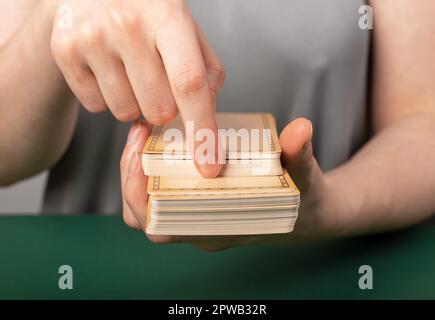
{"x": 24, "y": 197}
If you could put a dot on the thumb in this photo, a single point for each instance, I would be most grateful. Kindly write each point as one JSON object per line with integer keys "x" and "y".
{"x": 133, "y": 180}
{"x": 297, "y": 152}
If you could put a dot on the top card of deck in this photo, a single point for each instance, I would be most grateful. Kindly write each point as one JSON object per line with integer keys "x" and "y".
{"x": 252, "y": 132}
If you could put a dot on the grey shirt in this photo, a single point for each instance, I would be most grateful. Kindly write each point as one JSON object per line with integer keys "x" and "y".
{"x": 288, "y": 57}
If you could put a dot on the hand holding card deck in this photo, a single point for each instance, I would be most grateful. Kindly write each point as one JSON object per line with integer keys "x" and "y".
{"x": 253, "y": 194}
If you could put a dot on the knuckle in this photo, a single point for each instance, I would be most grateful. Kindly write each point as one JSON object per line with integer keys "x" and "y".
{"x": 63, "y": 46}
{"x": 93, "y": 104}
{"x": 171, "y": 112}
{"x": 90, "y": 34}
{"x": 191, "y": 81}
{"x": 218, "y": 75}
{"x": 124, "y": 17}
{"x": 127, "y": 115}
{"x": 221, "y": 72}
{"x": 94, "y": 107}
{"x": 161, "y": 114}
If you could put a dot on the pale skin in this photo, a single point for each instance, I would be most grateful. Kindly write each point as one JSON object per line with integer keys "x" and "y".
{"x": 388, "y": 184}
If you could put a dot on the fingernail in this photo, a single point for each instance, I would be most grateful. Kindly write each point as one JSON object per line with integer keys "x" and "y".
{"x": 133, "y": 164}
{"x": 133, "y": 132}
{"x": 307, "y": 143}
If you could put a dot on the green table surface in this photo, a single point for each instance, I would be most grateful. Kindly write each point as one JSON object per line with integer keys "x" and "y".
{"x": 111, "y": 261}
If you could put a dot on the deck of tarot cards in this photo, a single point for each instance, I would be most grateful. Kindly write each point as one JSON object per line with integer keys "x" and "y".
{"x": 253, "y": 194}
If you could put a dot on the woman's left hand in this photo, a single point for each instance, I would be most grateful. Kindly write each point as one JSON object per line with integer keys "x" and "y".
{"x": 318, "y": 208}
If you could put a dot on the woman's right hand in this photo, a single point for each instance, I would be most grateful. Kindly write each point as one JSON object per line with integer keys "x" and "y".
{"x": 138, "y": 57}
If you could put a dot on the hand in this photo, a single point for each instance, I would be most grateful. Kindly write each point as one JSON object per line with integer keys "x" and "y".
{"x": 137, "y": 57}
{"x": 318, "y": 208}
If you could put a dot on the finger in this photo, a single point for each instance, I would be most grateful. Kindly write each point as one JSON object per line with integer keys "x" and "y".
{"x": 77, "y": 73}
{"x": 135, "y": 141}
{"x": 150, "y": 83}
{"x": 85, "y": 87}
{"x": 178, "y": 46}
{"x": 297, "y": 151}
{"x": 127, "y": 154}
{"x": 136, "y": 184}
{"x": 111, "y": 76}
{"x": 116, "y": 89}
{"x": 215, "y": 70}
